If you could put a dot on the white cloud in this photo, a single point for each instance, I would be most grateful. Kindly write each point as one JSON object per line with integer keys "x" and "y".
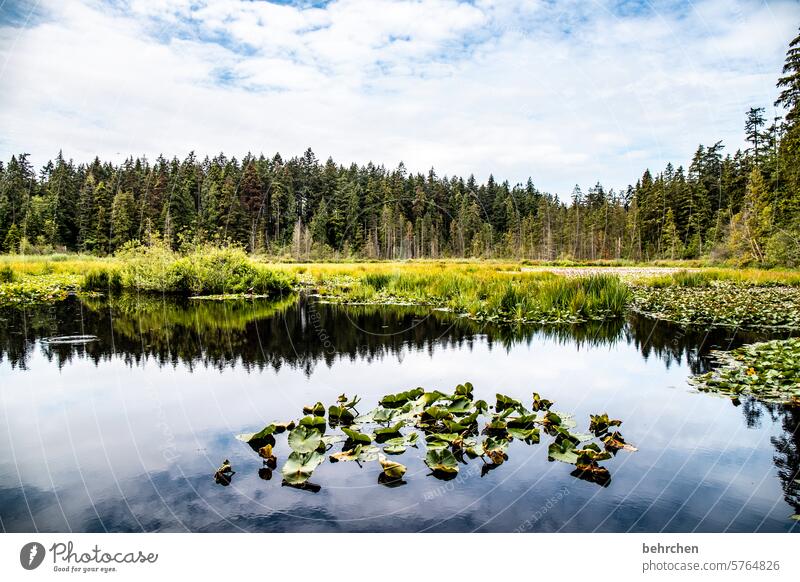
{"x": 566, "y": 93}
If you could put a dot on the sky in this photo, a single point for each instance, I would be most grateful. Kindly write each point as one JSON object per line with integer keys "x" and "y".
{"x": 566, "y": 92}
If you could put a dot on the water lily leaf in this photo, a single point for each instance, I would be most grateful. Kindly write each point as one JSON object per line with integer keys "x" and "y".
{"x": 384, "y": 434}
{"x": 344, "y": 403}
{"x": 459, "y": 405}
{"x": 397, "y": 400}
{"x": 340, "y": 415}
{"x": 304, "y": 439}
{"x": 392, "y": 469}
{"x": 540, "y": 403}
{"x": 333, "y": 439}
{"x": 481, "y": 406}
{"x": 315, "y": 422}
{"x": 795, "y": 517}
{"x": 615, "y": 442}
{"x": 600, "y": 423}
{"x": 589, "y": 455}
{"x": 530, "y": 435}
{"x": 551, "y": 418}
{"x": 495, "y": 449}
{"x": 442, "y": 461}
{"x": 563, "y": 451}
{"x": 428, "y": 398}
{"x": 454, "y": 426}
{"x": 265, "y": 435}
{"x": 465, "y": 390}
{"x": 349, "y": 455}
{"x": 384, "y": 414}
{"x": 317, "y": 409}
{"x": 356, "y": 436}
{"x": 224, "y": 474}
{"x": 299, "y": 466}
{"x": 468, "y": 420}
{"x": 436, "y": 413}
{"x": 504, "y": 402}
{"x": 265, "y": 452}
{"x": 398, "y": 445}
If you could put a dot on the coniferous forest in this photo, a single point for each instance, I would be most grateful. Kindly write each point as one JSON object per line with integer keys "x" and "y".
{"x": 741, "y": 206}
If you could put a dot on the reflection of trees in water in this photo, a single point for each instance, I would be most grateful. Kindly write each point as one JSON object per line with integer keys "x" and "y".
{"x": 787, "y": 443}
{"x": 302, "y": 332}
{"x": 674, "y": 344}
{"x": 258, "y": 333}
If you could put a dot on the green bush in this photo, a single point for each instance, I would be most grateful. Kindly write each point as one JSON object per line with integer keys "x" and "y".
{"x": 6, "y": 274}
{"x": 206, "y": 270}
{"x": 105, "y": 280}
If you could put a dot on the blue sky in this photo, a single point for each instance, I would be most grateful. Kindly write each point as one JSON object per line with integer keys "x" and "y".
{"x": 564, "y": 91}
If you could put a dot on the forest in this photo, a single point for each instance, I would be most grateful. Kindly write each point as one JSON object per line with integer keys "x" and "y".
{"x": 740, "y": 208}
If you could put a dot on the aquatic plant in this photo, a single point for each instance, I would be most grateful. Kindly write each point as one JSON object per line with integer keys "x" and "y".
{"x": 454, "y": 428}
{"x": 488, "y": 295}
{"x": 721, "y": 303}
{"x": 769, "y": 371}
{"x": 28, "y": 290}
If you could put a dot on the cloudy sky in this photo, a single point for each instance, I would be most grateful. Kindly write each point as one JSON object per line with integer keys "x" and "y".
{"x": 564, "y": 91}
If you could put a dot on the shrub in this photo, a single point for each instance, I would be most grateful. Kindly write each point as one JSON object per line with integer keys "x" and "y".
{"x": 105, "y": 280}
{"x": 206, "y": 270}
{"x": 6, "y": 274}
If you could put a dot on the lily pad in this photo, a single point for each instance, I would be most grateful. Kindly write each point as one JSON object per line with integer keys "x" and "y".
{"x": 299, "y": 466}
{"x": 356, "y": 436}
{"x": 392, "y": 469}
{"x": 397, "y": 400}
{"x": 442, "y": 461}
{"x": 304, "y": 439}
{"x": 563, "y": 451}
{"x": 317, "y": 409}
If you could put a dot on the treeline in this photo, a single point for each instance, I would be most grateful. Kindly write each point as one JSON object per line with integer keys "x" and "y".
{"x": 743, "y": 206}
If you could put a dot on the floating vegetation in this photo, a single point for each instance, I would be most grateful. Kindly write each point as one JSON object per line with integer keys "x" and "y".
{"x": 224, "y": 474}
{"x": 769, "y": 371}
{"x": 721, "y": 303}
{"x": 30, "y": 290}
{"x": 454, "y": 427}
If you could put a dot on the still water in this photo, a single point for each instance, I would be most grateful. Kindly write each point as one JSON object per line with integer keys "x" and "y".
{"x": 123, "y": 433}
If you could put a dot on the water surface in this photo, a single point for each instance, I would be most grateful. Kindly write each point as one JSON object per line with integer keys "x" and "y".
{"x": 123, "y": 433}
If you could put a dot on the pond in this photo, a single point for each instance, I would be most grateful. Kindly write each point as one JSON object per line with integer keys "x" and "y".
{"x": 117, "y": 414}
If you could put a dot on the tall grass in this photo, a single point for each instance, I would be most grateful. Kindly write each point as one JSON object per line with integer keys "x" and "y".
{"x": 705, "y": 277}
{"x": 490, "y": 293}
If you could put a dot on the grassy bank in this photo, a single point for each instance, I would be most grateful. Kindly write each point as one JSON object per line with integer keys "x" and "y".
{"x": 205, "y": 271}
{"x": 501, "y": 291}
{"x": 493, "y": 293}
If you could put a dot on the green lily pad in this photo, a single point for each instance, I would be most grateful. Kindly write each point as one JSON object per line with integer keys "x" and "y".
{"x": 304, "y": 439}
{"x": 504, "y": 402}
{"x": 442, "y": 461}
{"x": 315, "y": 422}
{"x": 356, "y": 436}
{"x": 563, "y": 451}
{"x": 317, "y": 409}
{"x": 600, "y": 423}
{"x": 299, "y": 466}
{"x": 397, "y": 400}
{"x": 384, "y": 434}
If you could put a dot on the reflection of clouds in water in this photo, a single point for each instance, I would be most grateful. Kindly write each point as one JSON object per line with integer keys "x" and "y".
{"x": 97, "y": 431}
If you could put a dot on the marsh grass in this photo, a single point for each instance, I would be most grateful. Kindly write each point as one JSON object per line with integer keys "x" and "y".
{"x": 706, "y": 277}
{"x": 492, "y": 292}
